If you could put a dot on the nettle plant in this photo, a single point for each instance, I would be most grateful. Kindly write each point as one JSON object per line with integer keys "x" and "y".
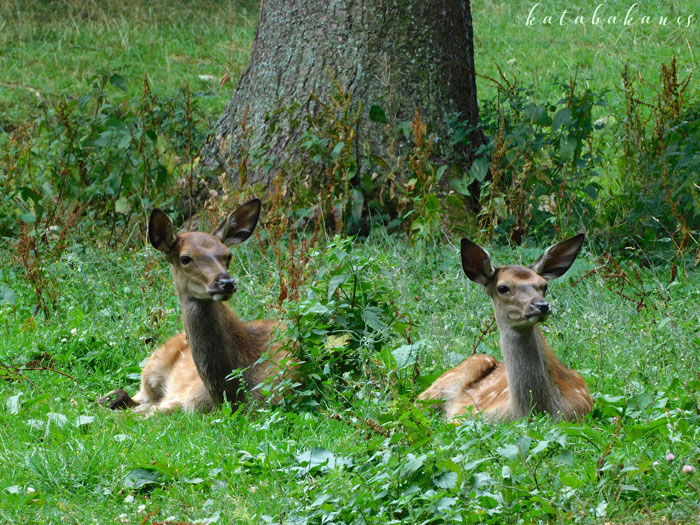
{"x": 347, "y": 314}
{"x": 542, "y": 161}
{"x": 107, "y": 155}
{"x": 658, "y": 168}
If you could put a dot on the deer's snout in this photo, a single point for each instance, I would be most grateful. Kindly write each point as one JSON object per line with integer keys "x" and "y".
{"x": 223, "y": 287}
{"x": 228, "y": 285}
{"x": 542, "y": 307}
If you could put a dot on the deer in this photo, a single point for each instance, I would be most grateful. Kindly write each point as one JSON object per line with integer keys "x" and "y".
{"x": 530, "y": 379}
{"x": 193, "y": 370}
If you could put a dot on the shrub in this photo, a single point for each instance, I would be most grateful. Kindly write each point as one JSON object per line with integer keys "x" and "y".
{"x": 542, "y": 160}
{"x": 113, "y": 158}
{"x": 656, "y": 206}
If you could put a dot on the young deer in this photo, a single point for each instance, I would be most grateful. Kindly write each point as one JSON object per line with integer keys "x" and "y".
{"x": 530, "y": 378}
{"x": 191, "y": 370}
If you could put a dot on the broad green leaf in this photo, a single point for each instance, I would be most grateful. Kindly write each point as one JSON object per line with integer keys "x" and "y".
{"x": 567, "y": 147}
{"x": 562, "y": 117}
{"x": 82, "y": 421}
{"x": 14, "y": 404}
{"x": 538, "y": 114}
{"x": 58, "y": 419}
{"x": 118, "y": 81}
{"x": 142, "y": 477}
{"x": 406, "y": 355}
{"x": 479, "y": 169}
{"x": 446, "y": 480}
{"x": 509, "y": 451}
{"x": 319, "y": 457}
{"x": 601, "y": 508}
{"x": 481, "y": 479}
{"x": 336, "y": 281}
{"x": 372, "y": 318}
{"x": 565, "y": 457}
{"x": 539, "y": 447}
{"x": 7, "y": 295}
{"x": 411, "y": 464}
{"x": 337, "y": 149}
{"x": 122, "y": 206}
{"x": 377, "y": 114}
{"x": 317, "y": 308}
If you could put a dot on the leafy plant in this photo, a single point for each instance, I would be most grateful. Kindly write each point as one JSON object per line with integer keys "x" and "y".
{"x": 542, "y": 161}
{"x": 111, "y": 157}
{"x": 348, "y": 313}
{"x": 656, "y": 204}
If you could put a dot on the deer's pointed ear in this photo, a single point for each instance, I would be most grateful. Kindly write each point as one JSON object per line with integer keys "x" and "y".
{"x": 161, "y": 232}
{"x": 558, "y": 258}
{"x": 239, "y": 225}
{"x": 476, "y": 262}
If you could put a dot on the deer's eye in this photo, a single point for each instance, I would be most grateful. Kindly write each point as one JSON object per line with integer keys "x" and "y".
{"x": 503, "y": 289}
{"x": 185, "y": 260}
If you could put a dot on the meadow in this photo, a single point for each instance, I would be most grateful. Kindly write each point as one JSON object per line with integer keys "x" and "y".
{"x": 80, "y": 311}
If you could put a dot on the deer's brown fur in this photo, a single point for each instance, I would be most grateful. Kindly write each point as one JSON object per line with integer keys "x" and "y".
{"x": 193, "y": 370}
{"x": 531, "y": 378}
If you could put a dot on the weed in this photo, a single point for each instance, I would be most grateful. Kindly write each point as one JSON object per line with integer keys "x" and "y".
{"x": 542, "y": 160}
{"x": 661, "y": 144}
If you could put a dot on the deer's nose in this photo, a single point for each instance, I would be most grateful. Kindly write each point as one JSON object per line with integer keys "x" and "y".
{"x": 227, "y": 284}
{"x": 543, "y": 307}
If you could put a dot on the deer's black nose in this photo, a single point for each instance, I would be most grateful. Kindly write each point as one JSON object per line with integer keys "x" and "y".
{"x": 228, "y": 285}
{"x": 544, "y": 307}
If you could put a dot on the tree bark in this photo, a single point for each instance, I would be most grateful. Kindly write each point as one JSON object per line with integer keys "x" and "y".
{"x": 401, "y": 55}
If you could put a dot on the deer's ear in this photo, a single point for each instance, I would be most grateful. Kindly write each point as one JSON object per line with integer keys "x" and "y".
{"x": 476, "y": 262}
{"x": 161, "y": 232}
{"x": 239, "y": 225}
{"x": 558, "y": 258}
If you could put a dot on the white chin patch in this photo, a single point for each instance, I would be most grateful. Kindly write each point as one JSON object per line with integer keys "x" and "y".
{"x": 220, "y": 297}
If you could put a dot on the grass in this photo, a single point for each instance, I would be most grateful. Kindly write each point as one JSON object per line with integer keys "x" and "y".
{"x": 536, "y": 53}
{"x": 53, "y": 50}
{"x": 248, "y": 464}
{"x": 362, "y": 453}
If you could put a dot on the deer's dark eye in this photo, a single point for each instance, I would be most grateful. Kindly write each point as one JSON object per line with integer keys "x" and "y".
{"x": 503, "y": 289}
{"x": 185, "y": 260}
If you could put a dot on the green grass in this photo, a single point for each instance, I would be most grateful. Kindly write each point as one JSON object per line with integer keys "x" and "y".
{"x": 51, "y": 50}
{"x": 243, "y": 465}
{"x": 539, "y": 53}
{"x": 65, "y": 459}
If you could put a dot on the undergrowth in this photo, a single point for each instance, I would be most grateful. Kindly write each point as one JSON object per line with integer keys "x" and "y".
{"x": 349, "y": 444}
{"x": 363, "y": 271}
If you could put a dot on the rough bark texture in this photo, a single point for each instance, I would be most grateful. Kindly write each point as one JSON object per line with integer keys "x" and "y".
{"x": 402, "y": 55}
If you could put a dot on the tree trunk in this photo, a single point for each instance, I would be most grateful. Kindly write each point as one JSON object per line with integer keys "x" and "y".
{"x": 404, "y": 56}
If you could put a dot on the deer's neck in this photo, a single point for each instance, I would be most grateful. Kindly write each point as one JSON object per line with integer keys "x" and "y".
{"x": 529, "y": 363}
{"x": 220, "y": 344}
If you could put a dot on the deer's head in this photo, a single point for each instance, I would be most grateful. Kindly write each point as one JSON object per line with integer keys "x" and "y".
{"x": 518, "y": 292}
{"x": 200, "y": 260}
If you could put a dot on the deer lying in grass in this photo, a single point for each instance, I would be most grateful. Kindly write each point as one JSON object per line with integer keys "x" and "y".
{"x": 191, "y": 370}
{"x": 531, "y": 378}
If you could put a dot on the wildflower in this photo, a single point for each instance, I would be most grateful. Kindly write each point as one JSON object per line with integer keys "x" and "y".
{"x": 670, "y": 457}
{"x": 688, "y": 469}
